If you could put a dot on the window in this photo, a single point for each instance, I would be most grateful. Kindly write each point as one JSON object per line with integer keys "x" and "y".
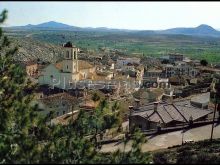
{"x": 74, "y": 55}
{"x": 63, "y": 112}
{"x": 67, "y": 67}
{"x": 57, "y": 113}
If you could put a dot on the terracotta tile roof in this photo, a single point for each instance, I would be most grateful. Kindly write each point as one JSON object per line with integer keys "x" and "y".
{"x": 88, "y": 104}
{"x": 58, "y": 65}
{"x": 27, "y": 63}
{"x": 65, "y": 119}
{"x": 99, "y": 77}
{"x": 58, "y": 97}
{"x": 81, "y": 65}
{"x": 176, "y": 79}
{"x": 84, "y": 65}
{"x": 81, "y": 77}
{"x": 90, "y": 75}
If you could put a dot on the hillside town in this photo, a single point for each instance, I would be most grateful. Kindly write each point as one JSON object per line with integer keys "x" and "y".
{"x": 109, "y": 83}
{"x": 173, "y": 94}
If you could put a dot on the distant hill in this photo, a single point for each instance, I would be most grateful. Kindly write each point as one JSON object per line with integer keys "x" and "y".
{"x": 202, "y": 30}
{"x": 52, "y": 24}
{"x": 48, "y": 25}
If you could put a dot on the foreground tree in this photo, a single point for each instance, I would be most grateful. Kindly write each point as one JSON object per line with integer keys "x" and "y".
{"x": 133, "y": 156}
{"x": 17, "y": 117}
{"x": 27, "y": 138}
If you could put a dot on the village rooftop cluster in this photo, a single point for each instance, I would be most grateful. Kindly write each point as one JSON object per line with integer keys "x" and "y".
{"x": 160, "y": 94}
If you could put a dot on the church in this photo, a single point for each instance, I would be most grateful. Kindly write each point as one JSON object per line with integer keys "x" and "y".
{"x": 70, "y": 70}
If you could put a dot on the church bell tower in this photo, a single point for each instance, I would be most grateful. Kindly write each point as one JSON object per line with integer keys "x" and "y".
{"x": 70, "y": 62}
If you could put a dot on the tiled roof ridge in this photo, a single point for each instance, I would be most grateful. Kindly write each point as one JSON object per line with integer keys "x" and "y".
{"x": 66, "y": 95}
{"x": 151, "y": 114}
{"x": 167, "y": 112}
{"x": 180, "y": 113}
{"x": 183, "y": 99}
{"x": 159, "y": 116}
{"x": 86, "y": 62}
{"x": 194, "y": 107}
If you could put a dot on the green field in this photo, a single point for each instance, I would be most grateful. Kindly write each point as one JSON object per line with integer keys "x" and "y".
{"x": 134, "y": 42}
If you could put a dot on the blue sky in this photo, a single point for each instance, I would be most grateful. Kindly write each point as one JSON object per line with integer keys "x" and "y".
{"x": 128, "y": 15}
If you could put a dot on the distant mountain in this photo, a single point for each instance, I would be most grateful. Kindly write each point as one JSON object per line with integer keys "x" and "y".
{"x": 202, "y": 30}
{"x": 47, "y": 25}
{"x": 53, "y": 24}
{"x": 29, "y": 25}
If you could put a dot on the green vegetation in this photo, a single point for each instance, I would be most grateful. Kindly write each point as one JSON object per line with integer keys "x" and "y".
{"x": 203, "y": 62}
{"x": 154, "y": 45}
{"x": 95, "y": 97}
{"x": 134, "y": 156}
{"x": 204, "y": 152}
{"x": 17, "y": 117}
{"x": 27, "y": 138}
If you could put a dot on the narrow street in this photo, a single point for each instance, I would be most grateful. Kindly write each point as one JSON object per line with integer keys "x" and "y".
{"x": 168, "y": 140}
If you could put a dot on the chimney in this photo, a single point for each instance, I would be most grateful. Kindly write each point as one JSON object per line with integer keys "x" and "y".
{"x": 137, "y": 103}
{"x": 131, "y": 109}
{"x": 171, "y": 96}
{"x": 155, "y": 106}
{"x": 171, "y": 99}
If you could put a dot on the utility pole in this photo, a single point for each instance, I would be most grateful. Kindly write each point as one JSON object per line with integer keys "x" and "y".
{"x": 213, "y": 121}
{"x": 216, "y": 95}
{"x": 72, "y": 112}
{"x": 182, "y": 135}
{"x": 183, "y": 131}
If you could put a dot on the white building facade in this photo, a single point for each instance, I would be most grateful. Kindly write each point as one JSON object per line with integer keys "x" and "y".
{"x": 64, "y": 74}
